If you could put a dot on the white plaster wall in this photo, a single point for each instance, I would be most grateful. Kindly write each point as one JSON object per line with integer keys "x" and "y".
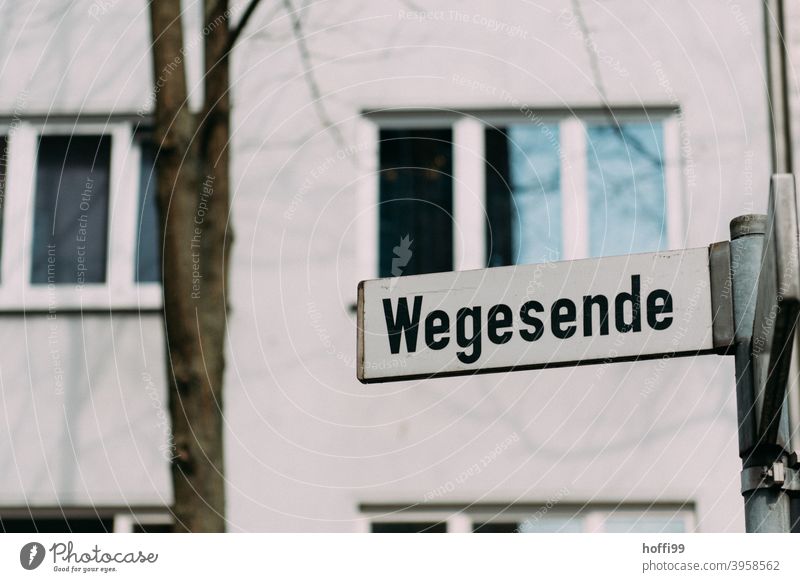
{"x": 83, "y": 404}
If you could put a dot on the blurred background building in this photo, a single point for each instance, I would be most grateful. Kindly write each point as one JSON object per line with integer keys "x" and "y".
{"x": 367, "y": 137}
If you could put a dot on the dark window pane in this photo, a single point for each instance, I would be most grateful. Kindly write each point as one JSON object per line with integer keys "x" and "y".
{"x": 627, "y": 201}
{"x": 57, "y": 525}
{"x": 498, "y": 200}
{"x": 151, "y": 528}
{"x": 408, "y": 527}
{"x": 523, "y": 194}
{"x": 70, "y": 233}
{"x": 416, "y": 193}
{"x": 148, "y": 243}
{"x": 496, "y": 527}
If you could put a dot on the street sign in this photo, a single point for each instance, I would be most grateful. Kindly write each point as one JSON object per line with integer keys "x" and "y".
{"x": 538, "y": 316}
{"x": 777, "y": 307}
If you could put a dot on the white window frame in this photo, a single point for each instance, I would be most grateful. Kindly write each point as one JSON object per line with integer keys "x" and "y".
{"x": 121, "y": 290}
{"x": 469, "y": 186}
{"x": 124, "y": 522}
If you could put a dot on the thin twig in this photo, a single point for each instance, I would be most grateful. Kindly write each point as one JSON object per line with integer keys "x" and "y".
{"x": 308, "y": 73}
{"x": 594, "y": 65}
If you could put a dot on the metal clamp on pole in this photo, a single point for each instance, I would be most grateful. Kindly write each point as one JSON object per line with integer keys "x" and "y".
{"x": 777, "y": 476}
{"x": 763, "y": 477}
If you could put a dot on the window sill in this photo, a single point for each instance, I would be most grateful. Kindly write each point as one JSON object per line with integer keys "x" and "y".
{"x": 52, "y": 299}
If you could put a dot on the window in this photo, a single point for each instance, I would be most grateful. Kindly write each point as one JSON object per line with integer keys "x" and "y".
{"x": 615, "y": 185}
{"x": 83, "y": 520}
{"x": 466, "y": 190}
{"x": 627, "y": 523}
{"x": 593, "y": 520}
{"x": 532, "y": 518}
{"x": 416, "y": 201}
{"x": 413, "y": 519}
{"x": 3, "y": 180}
{"x": 551, "y": 524}
{"x": 70, "y": 222}
{"x": 57, "y": 524}
{"x": 408, "y": 527}
{"x": 81, "y": 197}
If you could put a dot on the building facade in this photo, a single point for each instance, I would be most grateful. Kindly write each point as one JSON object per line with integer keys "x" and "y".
{"x": 387, "y": 139}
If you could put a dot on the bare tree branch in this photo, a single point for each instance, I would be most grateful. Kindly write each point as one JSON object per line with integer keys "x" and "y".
{"x": 308, "y": 73}
{"x": 594, "y": 65}
{"x": 236, "y": 32}
{"x": 411, "y": 5}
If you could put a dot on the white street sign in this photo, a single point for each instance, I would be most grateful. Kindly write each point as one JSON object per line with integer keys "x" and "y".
{"x": 536, "y": 316}
{"x": 777, "y": 307}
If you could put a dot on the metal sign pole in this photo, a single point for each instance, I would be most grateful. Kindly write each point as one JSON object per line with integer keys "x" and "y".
{"x": 777, "y": 86}
{"x": 766, "y": 502}
{"x": 777, "y": 54}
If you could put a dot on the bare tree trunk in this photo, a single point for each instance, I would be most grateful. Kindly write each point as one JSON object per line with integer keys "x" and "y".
{"x": 214, "y": 132}
{"x": 193, "y": 202}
